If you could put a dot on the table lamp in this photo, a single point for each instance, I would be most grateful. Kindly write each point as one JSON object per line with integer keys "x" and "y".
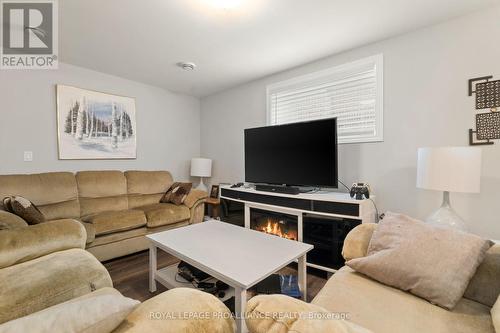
{"x": 449, "y": 169}
{"x": 201, "y": 167}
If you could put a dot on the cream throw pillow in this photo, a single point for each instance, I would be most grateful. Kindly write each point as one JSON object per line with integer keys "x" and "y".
{"x": 98, "y": 312}
{"x": 431, "y": 262}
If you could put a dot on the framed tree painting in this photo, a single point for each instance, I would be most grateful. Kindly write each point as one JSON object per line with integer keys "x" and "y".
{"x": 94, "y": 125}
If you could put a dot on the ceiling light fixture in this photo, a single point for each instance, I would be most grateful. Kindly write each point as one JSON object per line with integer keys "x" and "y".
{"x": 187, "y": 66}
{"x": 225, "y": 4}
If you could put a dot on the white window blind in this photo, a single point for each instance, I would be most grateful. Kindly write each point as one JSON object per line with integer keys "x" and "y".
{"x": 353, "y": 93}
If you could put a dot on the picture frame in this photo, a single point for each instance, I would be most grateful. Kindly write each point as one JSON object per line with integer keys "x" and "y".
{"x": 214, "y": 192}
{"x": 93, "y": 125}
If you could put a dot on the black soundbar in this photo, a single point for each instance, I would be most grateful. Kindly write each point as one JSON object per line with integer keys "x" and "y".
{"x": 277, "y": 189}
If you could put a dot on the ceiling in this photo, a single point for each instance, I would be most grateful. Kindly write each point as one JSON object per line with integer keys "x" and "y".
{"x": 143, "y": 40}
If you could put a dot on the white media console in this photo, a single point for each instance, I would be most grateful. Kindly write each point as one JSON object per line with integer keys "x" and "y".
{"x": 316, "y": 211}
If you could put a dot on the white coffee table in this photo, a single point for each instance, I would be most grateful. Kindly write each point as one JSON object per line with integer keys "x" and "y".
{"x": 237, "y": 256}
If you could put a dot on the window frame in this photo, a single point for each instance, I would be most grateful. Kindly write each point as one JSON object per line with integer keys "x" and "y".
{"x": 304, "y": 80}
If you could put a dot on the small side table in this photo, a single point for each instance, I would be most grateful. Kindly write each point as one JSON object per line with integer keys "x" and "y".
{"x": 213, "y": 205}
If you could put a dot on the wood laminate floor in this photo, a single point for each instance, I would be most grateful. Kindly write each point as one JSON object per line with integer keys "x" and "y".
{"x": 130, "y": 275}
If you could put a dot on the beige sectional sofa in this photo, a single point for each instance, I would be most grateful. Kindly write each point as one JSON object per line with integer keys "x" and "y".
{"x": 380, "y": 308}
{"x": 116, "y": 208}
{"x": 44, "y": 265}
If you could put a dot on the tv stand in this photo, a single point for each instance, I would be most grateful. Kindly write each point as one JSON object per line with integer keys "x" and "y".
{"x": 277, "y": 189}
{"x": 323, "y": 218}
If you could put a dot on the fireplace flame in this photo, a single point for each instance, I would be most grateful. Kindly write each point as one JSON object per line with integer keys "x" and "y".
{"x": 274, "y": 228}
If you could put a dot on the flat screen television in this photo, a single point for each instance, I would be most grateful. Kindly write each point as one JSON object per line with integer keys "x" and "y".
{"x": 297, "y": 154}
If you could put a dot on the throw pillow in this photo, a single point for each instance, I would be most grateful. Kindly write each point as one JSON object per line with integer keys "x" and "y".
{"x": 98, "y": 312}
{"x": 27, "y": 210}
{"x": 6, "y": 204}
{"x": 177, "y": 193}
{"x": 431, "y": 262}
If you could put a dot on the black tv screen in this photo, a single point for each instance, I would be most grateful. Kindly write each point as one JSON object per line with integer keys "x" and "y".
{"x": 300, "y": 154}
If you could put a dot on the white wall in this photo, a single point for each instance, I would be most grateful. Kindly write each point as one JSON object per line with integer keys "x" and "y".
{"x": 168, "y": 124}
{"x": 426, "y": 104}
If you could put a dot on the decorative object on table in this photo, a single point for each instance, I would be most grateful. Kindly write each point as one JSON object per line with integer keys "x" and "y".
{"x": 449, "y": 169}
{"x": 201, "y": 167}
{"x": 487, "y": 123}
{"x": 213, "y": 207}
{"x": 177, "y": 193}
{"x": 214, "y": 192}
{"x": 360, "y": 191}
{"x": 94, "y": 125}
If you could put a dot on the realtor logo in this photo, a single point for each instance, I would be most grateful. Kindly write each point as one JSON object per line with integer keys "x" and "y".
{"x": 29, "y": 34}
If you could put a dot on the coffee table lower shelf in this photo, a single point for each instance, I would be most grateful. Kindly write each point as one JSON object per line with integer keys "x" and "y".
{"x": 168, "y": 277}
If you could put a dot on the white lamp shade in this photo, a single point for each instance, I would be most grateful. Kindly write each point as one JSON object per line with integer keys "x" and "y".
{"x": 452, "y": 169}
{"x": 201, "y": 167}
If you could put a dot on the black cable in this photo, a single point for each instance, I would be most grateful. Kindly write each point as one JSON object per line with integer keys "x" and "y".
{"x": 376, "y": 209}
{"x": 348, "y": 189}
{"x": 184, "y": 282}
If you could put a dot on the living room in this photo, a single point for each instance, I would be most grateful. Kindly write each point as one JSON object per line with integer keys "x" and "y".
{"x": 129, "y": 166}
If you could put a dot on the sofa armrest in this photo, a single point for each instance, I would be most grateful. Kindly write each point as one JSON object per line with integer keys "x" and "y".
{"x": 282, "y": 314}
{"x": 20, "y": 245}
{"x": 495, "y": 315}
{"x": 179, "y": 310}
{"x": 195, "y": 197}
{"x": 357, "y": 241}
{"x": 11, "y": 221}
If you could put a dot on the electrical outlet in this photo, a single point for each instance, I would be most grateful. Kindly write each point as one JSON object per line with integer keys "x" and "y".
{"x": 28, "y": 156}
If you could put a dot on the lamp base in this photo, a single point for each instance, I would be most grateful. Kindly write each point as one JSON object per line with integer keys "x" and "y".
{"x": 201, "y": 186}
{"x": 446, "y": 216}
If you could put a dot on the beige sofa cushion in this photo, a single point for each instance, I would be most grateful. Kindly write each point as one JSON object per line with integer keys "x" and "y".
{"x": 431, "y": 262}
{"x": 114, "y": 221}
{"x": 101, "y": 191}
{"x": 170, "y": 311}
{"x": 90, "y": 229}
{"x": 194, "y": 197}
{"x": 61, "y": 210}
{"x": 384, "y": 309}
{"x": 485, "y": 285}
{"x": 23, "y": 244}
{"x": 357, "y": 241}
{"x": 98, "y": 184}
{"x": 11, "y": 221}
{"x": 42, "y": 189}
{"x": 98, "y": 312}
{"x": 138, "y": 200}
{"x": 148, "y": 182}
{"x": 49, "y": 280}
{"x": 283, "y": 314}
{"x": 162, "y": 214}
{"x": 54, "y": 193}
{"x": 146, "y": 187}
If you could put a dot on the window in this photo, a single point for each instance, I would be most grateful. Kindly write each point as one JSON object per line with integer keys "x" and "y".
{"x": 352, "y": 92}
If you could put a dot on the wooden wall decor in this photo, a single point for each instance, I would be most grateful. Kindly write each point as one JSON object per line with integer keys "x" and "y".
{"x": 487, "y": 123}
